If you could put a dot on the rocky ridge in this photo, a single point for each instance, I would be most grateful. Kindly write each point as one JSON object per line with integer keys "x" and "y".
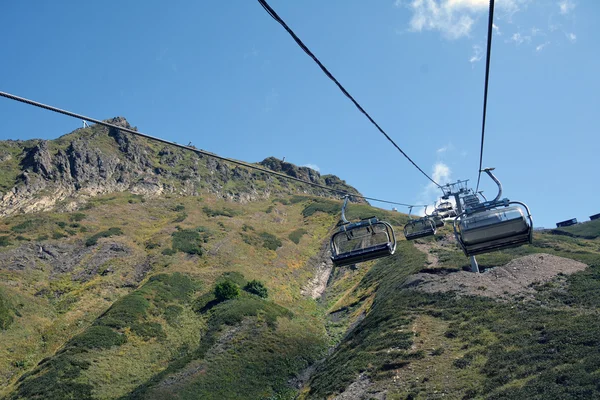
{"x": 65, "y": 172}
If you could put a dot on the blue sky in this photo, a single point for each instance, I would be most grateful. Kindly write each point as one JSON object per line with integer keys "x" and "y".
{"x": 228, "y": 78}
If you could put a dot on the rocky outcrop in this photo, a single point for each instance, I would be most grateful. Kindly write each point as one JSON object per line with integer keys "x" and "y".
{"x": 64, "y": 173}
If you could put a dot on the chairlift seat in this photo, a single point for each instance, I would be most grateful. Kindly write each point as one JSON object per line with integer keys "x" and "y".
{"x": 493, "y": 229}
{"x": 362, "y": 241}
{"x": 419, "y": 228}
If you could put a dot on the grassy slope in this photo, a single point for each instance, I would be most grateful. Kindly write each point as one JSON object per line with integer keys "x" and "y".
{"x": 409, "y": 344}
{"x": 55, "y": 306}
{"x": 417, "y": 346}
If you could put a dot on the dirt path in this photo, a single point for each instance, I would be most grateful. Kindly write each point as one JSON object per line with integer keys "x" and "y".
{"x": 432, "y": 259}
{"x": 514, "y": 278}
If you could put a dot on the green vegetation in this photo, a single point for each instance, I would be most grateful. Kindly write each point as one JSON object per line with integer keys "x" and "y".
{"x": 187, "y": 241}
{"x": 77, "y": 217}
{"x": 180, "y": 217}
{"x": 226, "y": 212}
{"x": 257, "y": 362}
{"x": 93, "y": 240}
{"x": 258, "y": 288}
{"x": 270, "y": 241}
{"x": 98, "y": 337}
{"x": 5, "y": 241}
{"x": 6, "y": 313}
{"x": 27, "y": 225}
{"x": 58, "y": 377}
{"x": 586, "y": 230}
{"x": 226, "y": 290}
{"x": 365, "y": 348}
{"x": 322, "y": 205}
{"x": 296, "y": 235}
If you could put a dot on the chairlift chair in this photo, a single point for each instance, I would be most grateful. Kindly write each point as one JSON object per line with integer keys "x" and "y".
{"x": 445, "y": 210}
{"x": 365, "y": 240}
{"x": 493, "y": 225}
{"x": 419, "y": 228}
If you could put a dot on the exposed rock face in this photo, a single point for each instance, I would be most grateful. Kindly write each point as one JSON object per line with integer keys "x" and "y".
{"x": 96, "y": 160}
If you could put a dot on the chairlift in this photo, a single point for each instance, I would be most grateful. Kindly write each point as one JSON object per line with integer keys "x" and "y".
{"x": 493, "y": 225}
{"x": 445, "y": 210}
{"x": 365, "y": 240}
{"x": 436, "y": 218}
{"x": 419, "y": 228}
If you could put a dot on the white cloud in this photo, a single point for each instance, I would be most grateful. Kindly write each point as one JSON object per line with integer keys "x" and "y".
{"x": 477, "y": 55}
{"x": 453, "y": 18}
{"x": 312, "y": 166}
{"x": 519, "y": 39}
{"x": 431, "y": 193}
{"x": 572, "y": 37}
{"x": 541, "y": 47}
{"x": 497, "y": 29}
{"x": 566, "y": 6}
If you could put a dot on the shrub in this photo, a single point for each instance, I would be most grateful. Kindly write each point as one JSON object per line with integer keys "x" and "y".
{"x": 148, "y": 330}
{"x": 108, "y": 233}
{"x": 181, "y": 217}
{"x": 58, "y": 235}
{"x": 226, "y": 290}
{"x": 76, "y": 217}
{"x": 25, "y": 226}
{"x": 187, "y": 241}
{"x": 325, "y": 206}
{"x": 4, "y": 241}
{"x": 296, "y": 235}
{"x": 61, "y": 224}
{"x": 270, "y": 241}
{"x": 98, "y": 337}
{"x": 257, "y": 287}
{"x": 168, "y": 251}
{"x": 226, "y": 212}
{"x": 179, "y": 207}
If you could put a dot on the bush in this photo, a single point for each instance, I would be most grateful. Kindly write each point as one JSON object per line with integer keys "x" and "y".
{"x": 76, "y": 217}
{"x": 257, "y": 287}
{"x": 4, "y": 241}
{"x": 187, "y": 241}
{"x": 148, "y": 330}
{"x": 25, "y": 226}
{"x": 59, "y": 235}
{"x": 108, "y": 233}
{"x": 168, "y": 252}
{"x": 181, "y": 217}
{"x": 297, "y": 235}
{"x": 270, "y": 241}
{"x": 226, "y": 290}
{"x": 226, "y": 212}
{"x": 98, "y": 337}
{"x": 179, "y": 207}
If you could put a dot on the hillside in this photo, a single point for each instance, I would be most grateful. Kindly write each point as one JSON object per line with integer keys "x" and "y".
{"x": 108, "y": 291}
{"x": 39, "y": 175}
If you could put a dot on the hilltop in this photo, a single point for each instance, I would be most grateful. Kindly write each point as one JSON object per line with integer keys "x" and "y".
{"x": 111, "y": 249}
{"x": 40, "y": 175}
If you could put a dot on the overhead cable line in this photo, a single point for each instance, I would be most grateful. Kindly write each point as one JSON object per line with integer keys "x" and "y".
{"x": 198, "y": 151}
{"x": 277, "y": 18}
{"x": 485, "y": 91}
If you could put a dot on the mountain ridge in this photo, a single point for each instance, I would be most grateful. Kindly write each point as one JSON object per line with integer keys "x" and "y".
{"x": 42, "y": 174}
